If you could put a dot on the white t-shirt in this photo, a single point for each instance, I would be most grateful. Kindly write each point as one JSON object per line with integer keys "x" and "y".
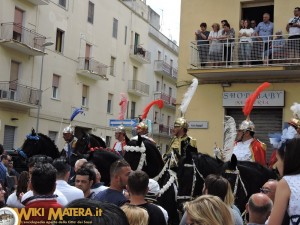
{"x": 294, "y": 30}
{"x": 248, "y": 32}
{"x": 13, "y": 201}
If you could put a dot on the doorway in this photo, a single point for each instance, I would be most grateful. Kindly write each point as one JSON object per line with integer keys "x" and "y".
{"x": 253, "y": 12}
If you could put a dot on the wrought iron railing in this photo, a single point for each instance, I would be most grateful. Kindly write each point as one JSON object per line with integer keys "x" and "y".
{"x": 141, "y": 52}
{"x": 165, "y": 129}
{"x": 254, "y": 51}
{"x": 138, "y": 86}
{"x": 166, "y": 98}
{"x": 13, "y": 91}
{"x": 160, "y": 65}
{"x": 85, "y": 63}
{"x": 16, "y": 32}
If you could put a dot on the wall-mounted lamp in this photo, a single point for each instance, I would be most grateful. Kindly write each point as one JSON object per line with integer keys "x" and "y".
{"x": 14, "y": 119}
{"x": 227, "y": 84}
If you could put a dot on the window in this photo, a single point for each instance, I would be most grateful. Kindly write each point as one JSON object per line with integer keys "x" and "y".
{"x": 91, "y": 12}
{"x": 132, "y": 112}
{"x": 164, "y": 88}
{"x": 62, "y": 3}
{"x": 166, "y": 58}
{"x": 59, "y": 40}
{"x": 125, "y": 39}
{"x": 84, "y": 100}
{"x": 155, "y": 116}
{"x": 171, "y": 63}
{"x": 168, "y": 121}
{"x": 108, "y": 141}
{"x": 135, "y": 73}
{"x": 157, "y": 85}
{"x": 109, "y": 103}
{"x": 14, "y": 75}
{"x": 115, "y": 28}
{"x": 170, "y": 91}
{"x": 9, "y": 137}
{"x": 52, "y": 135}
{"x": 162, "y": 118}
{"x": 123, "y": 71}
{"x": 112, "y": 65}
{"x": 158, "y": 55}
{"x": 55, "y": 85}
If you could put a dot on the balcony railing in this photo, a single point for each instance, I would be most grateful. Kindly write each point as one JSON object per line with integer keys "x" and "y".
{"x": 161, "y": 129}
{"x": 140, "y": 54}
{"x": 19, "y": 96}
{"x": 274, "y": 51}
{"x": 22, "y": 39}
{"x": 138, "y": 88}
{"x": 168, "y": 100}
{"x": 166, "y": 69}
{"x": 91, "y": 68}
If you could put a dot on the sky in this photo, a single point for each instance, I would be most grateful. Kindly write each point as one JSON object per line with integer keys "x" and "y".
{"x": 169, "y": 11}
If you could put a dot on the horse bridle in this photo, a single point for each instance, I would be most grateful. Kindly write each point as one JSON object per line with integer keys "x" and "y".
{"x": 238, "y": 178}
{"x": 195, "y": 172}
{"x": 141, "y": 150}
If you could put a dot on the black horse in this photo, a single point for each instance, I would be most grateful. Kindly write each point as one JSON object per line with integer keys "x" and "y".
{"x": 38, "y": 144}
{"x": 142, "y": 154}
{"x": 246, "y": 178}
{"x": 93, "y": 148}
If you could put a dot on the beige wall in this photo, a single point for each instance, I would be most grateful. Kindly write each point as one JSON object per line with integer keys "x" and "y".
{"x": 206, "y": 104}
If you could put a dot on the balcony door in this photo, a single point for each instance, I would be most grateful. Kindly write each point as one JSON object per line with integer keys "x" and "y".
{"x": 87, "y": 57}
{"x": 136, "y": 42}
{"x": 14, "y": 76}
{"x": 18, "y": 21}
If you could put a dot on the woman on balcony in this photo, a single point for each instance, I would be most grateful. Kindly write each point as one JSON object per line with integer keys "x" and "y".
{"x": 215, "y": 48}
{"x": 246, "y": 42}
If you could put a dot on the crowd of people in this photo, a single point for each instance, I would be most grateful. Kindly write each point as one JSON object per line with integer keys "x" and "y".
{"x": 256, "y": 43}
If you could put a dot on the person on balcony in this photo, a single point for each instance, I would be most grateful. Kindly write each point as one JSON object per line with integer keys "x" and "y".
{"x": 276, "y": 50}
{"x": 201, "y": 37}
{"x": 215, "y": 48}
{"x": 246, "y": 42}
{"x": 227, "y": 39}
{"x": 293, "y": 27}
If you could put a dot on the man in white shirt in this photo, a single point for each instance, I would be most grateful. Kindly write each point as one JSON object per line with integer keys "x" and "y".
{"x": 293, "y": 27}
{"x": 62, "y": 176}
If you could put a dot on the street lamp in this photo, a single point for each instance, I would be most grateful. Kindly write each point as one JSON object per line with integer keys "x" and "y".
{"x": 40, "y": 89}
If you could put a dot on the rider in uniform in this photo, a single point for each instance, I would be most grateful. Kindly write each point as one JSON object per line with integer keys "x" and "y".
{"x": 181, "y": 142}
{"x": 247, "y": 147}
{"x": 142, "y": 129}
{"x": 68, "y": 135}
{"x": 120, "y": 135}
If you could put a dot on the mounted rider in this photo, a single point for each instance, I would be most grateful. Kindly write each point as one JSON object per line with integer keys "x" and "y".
{"x": 121, "y": 137}
{"x": 142, "y": 129}
{"x": 68, "y": 135}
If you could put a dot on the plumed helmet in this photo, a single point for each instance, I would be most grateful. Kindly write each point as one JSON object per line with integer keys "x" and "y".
{"x": 68, "y": 130}
{"x": 142, "y": 125}
{"x": 247, "y": 125}
{"x": 295, "y": 123}
{"x": 120, "y": 129}
{"x": 181, "y": 122}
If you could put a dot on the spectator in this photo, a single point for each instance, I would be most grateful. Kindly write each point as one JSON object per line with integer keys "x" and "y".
{"x": 253, "y": 24}
{"x": 208, "y": 210}
{"x": 106, "y": 213}
{"x": 138, "y": 188}
{"x": 84, "y": 180}
{"x": 135, "y": 215}
{"x": 31, "y": 163}
{"x": 232, "y": 31}
{"x": 201, "y": 37}
{"x": 276, "y": 49}
{"x": 1, "y": 149}
{"x": 259, "y": 208}
{"x": 215, "y": 48}
{"x": 5, "y": 159}
{"x": 62, "y": 176}
{"x": 78, "y": 164}
{"x": 119, "y": 172}
{"x": 293, "y": 27}
{"x": 2, "y": 195}
{"x": 227, "y": 38}
{"x": 242, "y": 24}
{"x": 269, "y": 189}
{"x": 14, "y": 200}
{"x": 288, "y": 188}
{"x": 246, "y": 42}
{"x": 264, "y": 31}
{"x": 42, "y": 183}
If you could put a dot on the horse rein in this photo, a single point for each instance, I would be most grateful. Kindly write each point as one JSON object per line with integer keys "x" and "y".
{"x": 238, "y": 178}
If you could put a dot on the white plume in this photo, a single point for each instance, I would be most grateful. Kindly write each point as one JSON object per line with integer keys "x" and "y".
{"x": 229, "y": 137}
{"x": 296, "y": 110}
{"x": 188, "y": 96}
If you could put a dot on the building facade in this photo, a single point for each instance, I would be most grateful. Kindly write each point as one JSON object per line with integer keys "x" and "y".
{"x": 225, "y": 82}
{"x": 60, "y": 55}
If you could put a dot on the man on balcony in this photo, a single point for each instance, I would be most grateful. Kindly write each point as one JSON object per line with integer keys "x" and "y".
{"x": 293, "y": 27}
{"x": 181, "y": 143}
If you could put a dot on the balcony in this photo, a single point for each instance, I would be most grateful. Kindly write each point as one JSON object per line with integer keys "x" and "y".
{"x": 21, "y": 39}
{"x": 140, "y": 54}
{"x": 166, "y": 70}
{"x": 39, "y": 2}
{"x": 169, "y": 101}
{"x": 91, "y": 69}
{"x": 275, "y": 60}
{"x": 162, "y": 130}
{"x": 138, "y": 88}
{"x": 18, "y": 96}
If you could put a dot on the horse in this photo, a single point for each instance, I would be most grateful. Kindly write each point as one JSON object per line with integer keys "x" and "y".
{"x": 93, "y": 148}
{"x": 191, "y": 172}
{"x": 246, "y": 178}
{"x": 38, "y": 144}
{"x": 142, "y": 154}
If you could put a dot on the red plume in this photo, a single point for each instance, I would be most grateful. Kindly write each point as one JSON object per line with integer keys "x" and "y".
{"x": 251, "y": 99}
{"x": 158, "y": 102}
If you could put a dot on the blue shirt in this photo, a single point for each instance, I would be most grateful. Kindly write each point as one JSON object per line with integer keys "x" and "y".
{"x": 111, "y": 196}
{"x": 264, "y": 30}
{"x": 3, "y": 172}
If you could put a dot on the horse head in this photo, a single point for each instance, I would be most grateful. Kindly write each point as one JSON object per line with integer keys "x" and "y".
{"x": 88, "y": 142}
{"x": 142, "y": 154}
{"x": 38, "y": 144}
